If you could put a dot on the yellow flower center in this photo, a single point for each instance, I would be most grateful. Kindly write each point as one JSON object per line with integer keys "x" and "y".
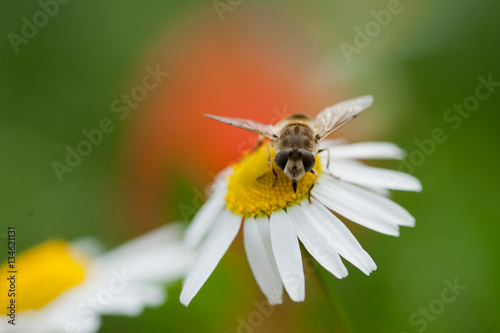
{"x": 42, "y": 273}
{"x": 251, "y": 195}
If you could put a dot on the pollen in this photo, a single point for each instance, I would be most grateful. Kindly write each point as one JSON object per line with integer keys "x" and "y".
{"x": 43, "y": 273}
{"x": 251, "y": 191}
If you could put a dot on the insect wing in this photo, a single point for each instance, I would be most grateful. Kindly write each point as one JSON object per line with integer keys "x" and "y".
{"x": 249, "y": 125}
{"x": 333, "y": 117}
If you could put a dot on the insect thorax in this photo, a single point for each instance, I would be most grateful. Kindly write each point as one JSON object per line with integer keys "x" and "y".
{"x": 296, "y": 135}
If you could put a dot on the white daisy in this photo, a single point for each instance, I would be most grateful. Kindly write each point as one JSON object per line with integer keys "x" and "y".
{"x": 60, "y": 287}
{"x": 274, "y": 217}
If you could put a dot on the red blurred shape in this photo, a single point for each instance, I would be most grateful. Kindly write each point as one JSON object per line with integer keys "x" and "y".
{"x": 252, "y": 65}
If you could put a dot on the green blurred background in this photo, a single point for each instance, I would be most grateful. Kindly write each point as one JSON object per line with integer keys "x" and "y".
{"x": 429, "y": 57}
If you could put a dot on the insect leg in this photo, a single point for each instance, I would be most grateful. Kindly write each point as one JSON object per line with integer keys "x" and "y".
{"x": 260, "y": 140}
{"x": 328, "y": 160}
{"x": 275, "y": 176}
{"x": 270, "y": 161}
{"x": 314, "y": 182}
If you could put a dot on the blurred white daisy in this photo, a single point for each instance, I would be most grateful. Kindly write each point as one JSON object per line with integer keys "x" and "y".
{"x": 63, "y": 287}
{"x": 274, "y": 217}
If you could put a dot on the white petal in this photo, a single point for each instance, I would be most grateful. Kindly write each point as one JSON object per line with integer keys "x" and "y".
{"x": 287, "y": 253}
{"x": 54, "y": 317}
{"x": 220, "y": 182}
{"x": 135, "y": 298}
{"x": 121, "y": 282}
{"x": 315, "y": 239}
{"x": 332, "y": 143}
{"x": 164, "y": 263}
{"x": 367, "y": 150}
{"x": 324, "y": 162}
{"x": 114, "y": 291}
{"x": 354, "y": 211}
{"x": 168, "y": 233}
{"x": 211, "y": 252}
{"x": 204, "y": 219}
{"x": 102, "y": 292}
{"x": 89, "y": 245}
{"x": 362, "y": 206}
{"x": 374, "y": 177}
{"x": 382, "y": 191}
{"x": 156, "y": 256}
{"x": 341, "y": 237}
{"x": 260, "y": 256}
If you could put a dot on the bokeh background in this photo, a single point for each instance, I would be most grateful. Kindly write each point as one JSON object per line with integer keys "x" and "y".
{"x": 260, "y": 60}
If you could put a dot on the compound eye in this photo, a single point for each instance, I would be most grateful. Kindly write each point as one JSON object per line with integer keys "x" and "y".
{"x": 282, "y": 158}
{"x": 308, "y": 159}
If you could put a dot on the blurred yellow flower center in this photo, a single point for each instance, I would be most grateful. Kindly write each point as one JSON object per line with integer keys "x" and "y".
{"x": 249, "y": 195}
{"x": 43, "y": 273}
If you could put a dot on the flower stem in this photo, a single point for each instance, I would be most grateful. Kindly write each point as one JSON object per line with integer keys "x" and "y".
{"x": 325, "y": 280}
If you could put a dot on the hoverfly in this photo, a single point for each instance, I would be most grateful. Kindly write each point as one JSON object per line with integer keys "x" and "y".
{"x": 296, "y": 138}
